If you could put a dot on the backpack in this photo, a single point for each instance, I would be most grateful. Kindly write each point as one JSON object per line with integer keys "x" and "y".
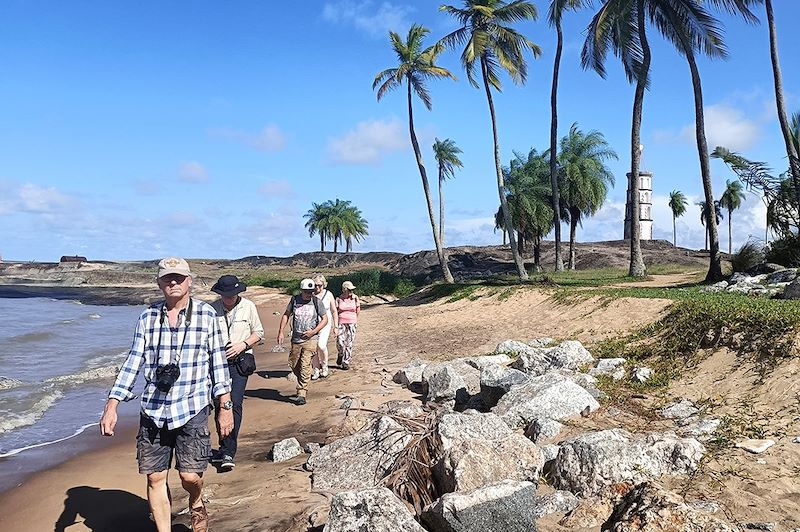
{"x": 317, "y": 306}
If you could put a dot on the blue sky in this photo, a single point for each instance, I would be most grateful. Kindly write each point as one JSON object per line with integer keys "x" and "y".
{"x": 206, "y": 129}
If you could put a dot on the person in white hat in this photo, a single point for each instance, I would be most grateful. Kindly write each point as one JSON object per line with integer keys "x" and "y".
{"x": 308, "y": 318}
{"x": 178, "y": 347}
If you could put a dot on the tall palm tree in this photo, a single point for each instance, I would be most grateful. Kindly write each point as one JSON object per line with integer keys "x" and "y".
{"x": 557, "y": 9}
{"x": 731, "y": 200}
{"x": 492, "y": 45}
{"x": 317, "y": 221}
{"x": 585, "y": 177}
{"x": 355, "y": 227}
{"x": 446, "y": 154}
{"x": 677, "y": 204}
{"x": 499, "y": 223}
{"x": 416, "y": 66}
{"x": 705, "y": 215}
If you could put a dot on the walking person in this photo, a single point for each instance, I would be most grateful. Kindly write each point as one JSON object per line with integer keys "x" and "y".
{"x": 241, "y": 329}
{"x": 348, "y": 307}
{"x": 178, "y": 348}
{"x": 308, "y": 319}
{"x": 319, "y": 362}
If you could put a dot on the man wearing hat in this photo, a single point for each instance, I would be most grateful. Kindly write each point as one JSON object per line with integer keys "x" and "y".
{"x": 308, "y": 319}
{"x": 178, "y": 348}
{"x": 241, "y": 330}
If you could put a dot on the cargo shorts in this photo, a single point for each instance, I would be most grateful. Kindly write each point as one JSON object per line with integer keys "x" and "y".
{"x": 191, "y": 444}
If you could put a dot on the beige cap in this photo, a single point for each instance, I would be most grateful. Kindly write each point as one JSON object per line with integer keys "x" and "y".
{"x": 348, "y": 285}
{"x": 173, "y": 265}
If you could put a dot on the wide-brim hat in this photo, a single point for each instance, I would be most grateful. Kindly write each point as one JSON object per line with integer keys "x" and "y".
{"x": 228, "y": 285}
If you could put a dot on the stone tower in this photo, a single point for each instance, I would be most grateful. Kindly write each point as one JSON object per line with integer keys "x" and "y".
{"x": 645, "y": 207}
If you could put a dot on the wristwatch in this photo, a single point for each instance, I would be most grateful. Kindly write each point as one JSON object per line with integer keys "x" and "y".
{"x": 227, "y": 405}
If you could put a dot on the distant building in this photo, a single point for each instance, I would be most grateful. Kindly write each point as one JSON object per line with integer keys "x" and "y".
{"x": 645, "y": 207}
{"x": 72, "y": 258}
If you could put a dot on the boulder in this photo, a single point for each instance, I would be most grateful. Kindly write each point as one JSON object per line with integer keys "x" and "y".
{"x": 765, "y": 268}
{"x": 454, "y": 427}
{"x": 402, "y": 408}
{"x": 755, "y": 446}
{"x": 482, "y": 361}
{"x": 373, "y": 510}
{"x": 543, "y": 429}
{"x": 540, "y": 342}
{"x": 701, "y": 429}
{"x": 681, "y": 409}
{"x": 569, "y": 355}
{"x": 360, "y": 460}
{"x": 496, "y": 380}
{"x": 549, "y": 452}
{"x": 558, "y": 502}
{"x": 792, "y": 291}
{"x": 782, "y": 276}
{"x": 716, "y": 287}
{"x": 310, "y": 447}
{"x": 411, "y": 375}
{"x": 641, "y": 374}
{"x": 453, "y": 381}
{"x": 505, "y": 505}
{"x": 550, "y": 396}
{"x": 286, "y": 450}
{"x": 512, "y": 347}
{"x": 614, "y": 367}
{"x": 647, "y": 508}
{"x": 588, "y": 463}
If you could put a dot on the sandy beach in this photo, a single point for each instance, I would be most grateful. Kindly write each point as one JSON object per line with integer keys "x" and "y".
{"x": 100, "y": 490}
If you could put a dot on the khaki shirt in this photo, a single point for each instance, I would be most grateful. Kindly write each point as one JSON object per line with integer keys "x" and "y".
{"x": 239, "y": 323}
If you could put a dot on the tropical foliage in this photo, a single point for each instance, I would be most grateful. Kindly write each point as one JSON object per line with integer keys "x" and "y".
{"x": 492, "y": 45}
{"x": 416, "y": 66}
{"x": 731, "y": 200}
{"x": 446, "y": 154}
{"x": 677, "y": 204}
{"x": 338, "y": 221}
{"x": 705, "y": 215}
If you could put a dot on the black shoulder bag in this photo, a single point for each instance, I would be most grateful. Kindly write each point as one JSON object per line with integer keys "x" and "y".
{"x": 245, "y": 362}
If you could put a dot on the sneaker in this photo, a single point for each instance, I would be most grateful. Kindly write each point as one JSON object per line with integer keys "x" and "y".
{"x": 344, "y": 365}
{"x": 227, "y": 463}
{"x": 216, "y": 457}
{"x": 324, "y": 373}
{"x": 339, "y": 360}
{"x": 315, "y": 374}
{"x": 199, "y": 519}
{"x": 298, "y": 400}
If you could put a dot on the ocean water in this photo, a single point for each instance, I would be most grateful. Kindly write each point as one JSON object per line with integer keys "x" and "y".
{"x": 58, "y": 360}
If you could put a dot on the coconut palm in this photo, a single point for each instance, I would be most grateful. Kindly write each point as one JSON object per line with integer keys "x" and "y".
{"x": 527, "y": 182}
{"x": 557, "y": 9}
{"x": 355, "y": 227}
{"x": 317, "y": 222}
{"x": 499, "y": 223}
{"x": 731, "y": 200}
{"x": 584, "y": 178}
{"x": 416, "y": 66}
{"x": 492, "y": 45}
{"x": 677, "y": 204}
{"x": 446, "y": 154}
{"x": 705, "y": 215}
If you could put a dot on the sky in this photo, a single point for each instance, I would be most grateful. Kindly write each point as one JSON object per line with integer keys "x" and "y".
{"x": 135, "y": 130}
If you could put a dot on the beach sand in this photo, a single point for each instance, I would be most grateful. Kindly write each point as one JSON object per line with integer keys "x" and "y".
{"x": 101, "y": 490}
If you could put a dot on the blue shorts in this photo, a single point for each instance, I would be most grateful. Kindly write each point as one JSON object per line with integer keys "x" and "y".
{"x": 191, "y": 443}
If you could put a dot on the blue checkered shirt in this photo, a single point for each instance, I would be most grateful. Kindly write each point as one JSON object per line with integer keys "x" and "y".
{"x": 197, "y": 349}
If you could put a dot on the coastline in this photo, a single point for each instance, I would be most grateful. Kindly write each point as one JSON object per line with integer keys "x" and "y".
{"x": 86, "y": 294}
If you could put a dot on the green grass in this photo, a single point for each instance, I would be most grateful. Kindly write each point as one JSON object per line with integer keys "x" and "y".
{"x": 370, "y": 281}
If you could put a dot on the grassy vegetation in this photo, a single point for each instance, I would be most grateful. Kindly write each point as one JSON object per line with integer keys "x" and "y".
{"x": 368, "y": 282}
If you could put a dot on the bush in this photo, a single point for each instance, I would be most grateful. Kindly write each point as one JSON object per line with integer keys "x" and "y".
{"x": 368, "y": 282}
{"x": 750, "y": 254}
{"x": 785, "y": 251}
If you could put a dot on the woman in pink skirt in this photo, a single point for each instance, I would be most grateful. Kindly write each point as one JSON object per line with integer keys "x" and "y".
{"x": 348, "y": 307}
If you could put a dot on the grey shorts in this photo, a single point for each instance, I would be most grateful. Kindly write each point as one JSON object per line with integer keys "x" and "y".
{"x": 191, "y": 443}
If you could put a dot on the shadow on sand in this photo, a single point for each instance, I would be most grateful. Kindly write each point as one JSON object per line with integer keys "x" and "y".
{"x": 106, "y": 511}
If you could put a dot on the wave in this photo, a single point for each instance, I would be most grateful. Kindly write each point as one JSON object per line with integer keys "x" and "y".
{"x": 94, "y": 316}
{"x": 38, "y": 336}
{"x": 93, "y": 374}
{"x": 34, "y": 414}
{"x": 7, "y": 383}
{"x": 79, "y": 431}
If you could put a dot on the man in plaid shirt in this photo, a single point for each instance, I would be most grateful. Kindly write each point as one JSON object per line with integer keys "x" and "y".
{"x": 181, "y": 335}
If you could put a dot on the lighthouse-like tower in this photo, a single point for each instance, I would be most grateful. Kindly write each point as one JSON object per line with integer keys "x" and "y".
{"x": 645, "y": 204}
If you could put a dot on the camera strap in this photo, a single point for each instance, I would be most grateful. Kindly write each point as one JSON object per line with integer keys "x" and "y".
{"x": 187, "y": 322}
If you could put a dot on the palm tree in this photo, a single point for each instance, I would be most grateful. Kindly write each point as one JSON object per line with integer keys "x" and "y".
{"x": 499, "y": 223}
{"x": 446, "y": 154}
{"x": 677, "y": 204}
{"x": 493, "y": 45}
{"x": 584, "y": 178}
{"x": 355, "y": 227}
{"x": 731, "y": 199}
{"x": 557, "y": 8}
{"x": 317, "y": 222}
{"x": 705, "y": 215}
{"x": 527, "y": 181}
{"x": 415, "y": 68}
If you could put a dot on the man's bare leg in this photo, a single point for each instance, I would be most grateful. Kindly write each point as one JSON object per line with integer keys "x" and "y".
{"x": 158, "y": 497}
{"x": 193, "y": 484}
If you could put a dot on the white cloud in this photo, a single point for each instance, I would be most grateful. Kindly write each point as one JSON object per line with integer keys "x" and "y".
{"x": 32, "y": 198}
{"x": 375, "y": 19}
{"x": 726, "y": 126}
{"x": 192, "y": 172}
{"x": 277, "y": 188}
{"x": 368, "y": 142}
{"x": 269, "y": 138}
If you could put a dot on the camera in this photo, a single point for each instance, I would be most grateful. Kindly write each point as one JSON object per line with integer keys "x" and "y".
{"x": 166, "y": 376}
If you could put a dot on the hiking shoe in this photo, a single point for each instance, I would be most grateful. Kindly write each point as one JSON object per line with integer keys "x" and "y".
{"x": 324, "y": 373}
{"x": 299, "y": 400}
{"x": 315, "y": 374}
{"x": 339, "y": 360}
{"x": 199, "y": 519}
{"x": 227, "y": 463}
{"x": 216, "y": 457}
{"x": 344, "y": 366}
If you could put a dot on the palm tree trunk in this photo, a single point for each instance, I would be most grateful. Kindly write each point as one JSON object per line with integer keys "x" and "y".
{"x": 637, "y": 268}
{"x": 441, "y": 206}
{"x": 537, "y": 254}
{"x": 791, "y": 151}
{"x": 554, "y": 146}
{"x": 674, "y": 232}
{"x": 448, "y": 277}
{"x": 714, "y": 261}
{"x": 322, "y": 241}
{"x": 520, "y": 243}
{"x": 523, "y": 275}
{"x": 336, "y": 244}
{"x": 504, "y": 236}
{"x": 573, "y": 227}
{"x": 705, "y": 245}
{"x": 730, "y": 232}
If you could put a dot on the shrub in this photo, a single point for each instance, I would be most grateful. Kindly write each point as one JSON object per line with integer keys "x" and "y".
{"x": 368, "y": 282}
{"x": 750, "y": 254}
{"x": 785, "y": 251}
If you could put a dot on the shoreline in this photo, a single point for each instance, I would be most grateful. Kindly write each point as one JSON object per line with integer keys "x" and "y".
{"x": 86, "y": 294}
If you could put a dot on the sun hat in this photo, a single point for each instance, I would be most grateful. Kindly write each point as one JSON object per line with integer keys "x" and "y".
{"x": 307, "y": 284}
{"x": 348, "y": 285}
{"x": 173, "y": 265}
{"x": 229, "y": 285}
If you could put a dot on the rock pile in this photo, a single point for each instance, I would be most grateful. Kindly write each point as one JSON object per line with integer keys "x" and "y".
{"x": 773, "y": 283}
